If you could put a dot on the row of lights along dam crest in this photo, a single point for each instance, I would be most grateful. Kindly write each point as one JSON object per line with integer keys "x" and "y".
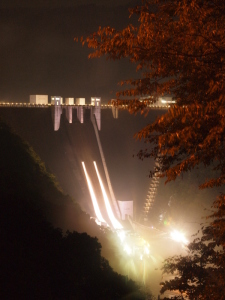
{"x": 58, "y": 104}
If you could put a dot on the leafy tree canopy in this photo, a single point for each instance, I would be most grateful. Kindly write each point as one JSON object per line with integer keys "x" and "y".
{"x": 178, "y": 47}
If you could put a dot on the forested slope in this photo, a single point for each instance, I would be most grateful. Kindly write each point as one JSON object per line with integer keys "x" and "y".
{"x": 37, "y": 260}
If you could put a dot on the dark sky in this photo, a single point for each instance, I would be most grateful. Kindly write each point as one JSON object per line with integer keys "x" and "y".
{"x": 59, "y": 3}
{"x": 39, "y": 55}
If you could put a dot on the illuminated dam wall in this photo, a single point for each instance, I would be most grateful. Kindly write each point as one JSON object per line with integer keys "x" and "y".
{"x": 64, "y": 150}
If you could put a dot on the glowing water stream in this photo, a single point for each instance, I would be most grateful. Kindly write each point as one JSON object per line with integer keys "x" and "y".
{"x": 93, "y": 198}
{"x": 116, "y": 224}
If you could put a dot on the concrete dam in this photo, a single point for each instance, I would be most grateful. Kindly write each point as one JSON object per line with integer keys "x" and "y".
{"x": 64, "y": 150}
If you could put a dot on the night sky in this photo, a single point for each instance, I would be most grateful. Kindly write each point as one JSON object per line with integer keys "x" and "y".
{"x": 39, "y": 55}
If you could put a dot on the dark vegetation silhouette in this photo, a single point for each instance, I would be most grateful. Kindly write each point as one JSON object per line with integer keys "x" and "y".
{"x": 38, "y": 261}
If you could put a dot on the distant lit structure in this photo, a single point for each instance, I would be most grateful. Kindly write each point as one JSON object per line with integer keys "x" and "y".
{"x": 96, "y": 102}
{"x": 80, "y": 101}
{"x": 126, "y": 209}
{"x": 69, "y": 101}
{"x": 56, "y": 116}
{"x": 80, "y": 110}
{"x": 166, "y": 100}
{"x": 69, "y": 114}
{"x": 56, "y": 100}
{"x": 114, "y": 110}
{"x": 39, "y": 99}
{"x": 69, "y": 111}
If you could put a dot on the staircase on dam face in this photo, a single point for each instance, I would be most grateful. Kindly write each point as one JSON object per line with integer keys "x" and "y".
{"x": 151, "y": 195}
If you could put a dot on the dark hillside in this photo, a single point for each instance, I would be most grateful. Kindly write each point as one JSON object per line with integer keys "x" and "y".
{"x": 36, "y": 260}
{"x": 24, "y": 175}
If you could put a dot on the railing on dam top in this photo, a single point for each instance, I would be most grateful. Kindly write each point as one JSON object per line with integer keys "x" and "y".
{"x": 25, "y": 104}
{"x": 57, "y": 110}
